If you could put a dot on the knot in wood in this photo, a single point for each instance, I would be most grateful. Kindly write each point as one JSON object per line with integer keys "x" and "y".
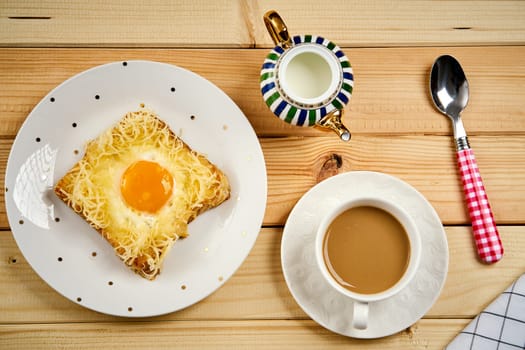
{"x": 330, "y": 167}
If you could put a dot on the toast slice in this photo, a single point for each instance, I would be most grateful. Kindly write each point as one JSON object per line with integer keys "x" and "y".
{"x": 98, "y": 189}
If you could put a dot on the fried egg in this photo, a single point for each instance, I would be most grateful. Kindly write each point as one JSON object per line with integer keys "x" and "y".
{"x": 140, "y": 185}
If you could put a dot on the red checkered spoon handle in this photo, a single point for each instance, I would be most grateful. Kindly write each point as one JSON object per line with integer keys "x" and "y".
{"x": 486, "y": 234}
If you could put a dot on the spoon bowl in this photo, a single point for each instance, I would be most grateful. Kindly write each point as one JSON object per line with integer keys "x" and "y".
{"x": 449, "y": 86}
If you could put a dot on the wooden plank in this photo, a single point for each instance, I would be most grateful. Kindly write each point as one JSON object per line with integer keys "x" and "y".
{"x": 162, "y": 23}
{"x": 390, "y": 96}
{"x": 258, "y": 290}
{"x": 395, "y": 127}
{"x": 428, "y": 163}
{"x": 269, "y": 334}
{"x": 5, "y": 146}
{"x": 158, "y": 23}
{"x": 400, "y": 23}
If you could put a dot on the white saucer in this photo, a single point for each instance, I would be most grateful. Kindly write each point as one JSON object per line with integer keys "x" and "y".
{"x": 333, "y": 310}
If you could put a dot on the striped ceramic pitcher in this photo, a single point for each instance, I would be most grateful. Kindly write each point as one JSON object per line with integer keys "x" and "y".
{"x": 306, "y": 80}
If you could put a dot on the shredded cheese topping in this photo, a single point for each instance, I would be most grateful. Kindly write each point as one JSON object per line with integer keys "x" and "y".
{"x": 91, "y": 188}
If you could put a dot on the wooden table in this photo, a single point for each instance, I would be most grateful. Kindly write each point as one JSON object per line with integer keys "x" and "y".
{"x": 396, "y": 130}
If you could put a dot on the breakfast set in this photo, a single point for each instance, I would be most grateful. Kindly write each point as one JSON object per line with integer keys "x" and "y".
{"x": 363, "y": 253}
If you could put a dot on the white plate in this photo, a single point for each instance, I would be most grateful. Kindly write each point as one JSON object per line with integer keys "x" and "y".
{"x": 72, "y": 257}
{"x": 328, "y": 307}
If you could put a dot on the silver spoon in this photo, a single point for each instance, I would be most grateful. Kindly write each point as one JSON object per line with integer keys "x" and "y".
{"x": 450, "y": 92}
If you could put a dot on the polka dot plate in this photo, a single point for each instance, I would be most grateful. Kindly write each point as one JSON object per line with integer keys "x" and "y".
{"x": 71, "y": 256}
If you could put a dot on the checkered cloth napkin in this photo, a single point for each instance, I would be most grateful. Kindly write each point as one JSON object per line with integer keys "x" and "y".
{"x": 501, "y": 326}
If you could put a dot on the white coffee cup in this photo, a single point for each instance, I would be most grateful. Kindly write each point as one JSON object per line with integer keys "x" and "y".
{"x": 362, "y": 301}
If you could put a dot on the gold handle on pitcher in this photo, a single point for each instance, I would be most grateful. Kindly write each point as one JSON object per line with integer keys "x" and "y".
{"x": 277, "y": 29}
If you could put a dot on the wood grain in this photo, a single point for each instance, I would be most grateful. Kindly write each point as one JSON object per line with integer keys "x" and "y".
{"x": 401, "y": 23}
{"x": 390, "y": 95}
{"x": 158, "y": 23}
{"x": 428, "y": 163}
{"x": 281, "y": 334}
{"x": 396, "y": 130}
{"x": 201, "y": 23}
{"x": 258, "y": 290}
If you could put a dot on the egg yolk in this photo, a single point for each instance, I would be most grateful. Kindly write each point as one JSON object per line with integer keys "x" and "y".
{"x": 146, "y": 186}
